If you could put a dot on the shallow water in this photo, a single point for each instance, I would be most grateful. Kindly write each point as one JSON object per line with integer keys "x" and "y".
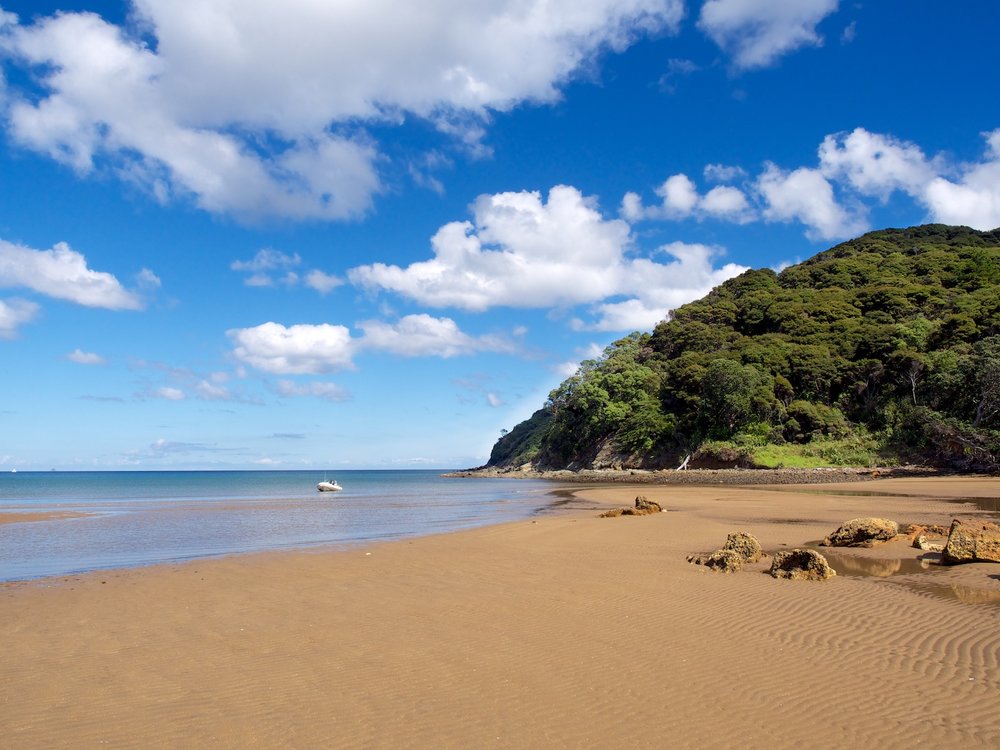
{"x": 142, "y": 518}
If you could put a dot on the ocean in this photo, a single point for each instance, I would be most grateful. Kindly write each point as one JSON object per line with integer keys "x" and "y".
{"x": 138, "y": 518}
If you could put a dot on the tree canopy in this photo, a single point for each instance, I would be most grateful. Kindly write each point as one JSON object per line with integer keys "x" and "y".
{"x": 894, "y": 335}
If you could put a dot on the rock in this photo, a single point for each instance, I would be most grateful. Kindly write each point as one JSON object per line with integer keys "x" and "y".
{"x": 921, "y": 542}
{"x": 862, "y": 532}
{"x": 913, "y": 530}
{"x": 801, "y": 564}
{"x": 645, "y": 504}
{"x": 643, "y": 507}
{"x": 974, "y": 541}
{"x": 725, "y": 560}
{"x": 745, "y": 545}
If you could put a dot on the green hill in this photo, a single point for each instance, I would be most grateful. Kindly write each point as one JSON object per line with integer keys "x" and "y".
{"x": 880, "y": 350}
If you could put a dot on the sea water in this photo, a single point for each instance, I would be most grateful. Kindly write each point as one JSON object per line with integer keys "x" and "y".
{"x": 132, "y": 518}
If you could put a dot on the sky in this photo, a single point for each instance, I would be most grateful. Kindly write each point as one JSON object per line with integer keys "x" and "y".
{"x": 324, "y": 235}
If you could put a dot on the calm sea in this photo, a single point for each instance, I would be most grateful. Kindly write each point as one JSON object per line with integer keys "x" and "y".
{"x": 146, "y": 517}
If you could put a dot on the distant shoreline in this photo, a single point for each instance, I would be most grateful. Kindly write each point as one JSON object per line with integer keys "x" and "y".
{"x": 710, "y": 476}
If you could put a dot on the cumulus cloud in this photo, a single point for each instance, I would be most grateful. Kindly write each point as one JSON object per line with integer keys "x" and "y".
{"x": 423, "y": 335}
{"x": 85, "y": 358}
{"x": 14, "y": 313}
{"x": 295, "y": 350}
{"x": 805, "y": 195}
{"x": 322, "y": 282}
{"x": 258, "y": 108}
{"x": 973, "y": 199}
{"x": 62, "y": 273}
{"x": 757, "y": 32}
{"x": 875, "y": 164}
{"x": 878, "y": 165}
{"x": 519, "y": 251}
{"x": 271, "y": 267}
{"x": 832, "y": 199}
{"x": 690, "y": 275}
{"x": 522, "y": 251}
{"x": 315, "y": 349}
{"x": 680, "y": 199}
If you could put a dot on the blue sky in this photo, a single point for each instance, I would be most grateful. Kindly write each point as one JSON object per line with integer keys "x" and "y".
{"x": 331, "y": 235}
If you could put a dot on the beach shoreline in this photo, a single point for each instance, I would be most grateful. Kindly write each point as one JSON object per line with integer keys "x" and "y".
{"x": 564, "y": 630}
{"x": 727, "y": 476}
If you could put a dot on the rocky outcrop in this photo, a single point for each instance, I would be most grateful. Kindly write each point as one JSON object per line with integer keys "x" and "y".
{"x": 862, "y": 532}
{"x": 724, "y": 560}
{"x": 745, "y": 545}
{"x": 643, "y": 503}
{"x": 972, "y": 541}
{"x": 740, "y": 549}
{"x": 643, "y": 507}
{"x": 801, "y": 565}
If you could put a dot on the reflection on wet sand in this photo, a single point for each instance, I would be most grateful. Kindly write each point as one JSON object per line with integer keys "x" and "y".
{"x": 879, "y": 567}
{"x": 961, "y": 592}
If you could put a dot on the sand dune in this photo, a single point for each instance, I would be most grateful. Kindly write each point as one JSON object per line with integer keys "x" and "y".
{"x": 567, "y": 631}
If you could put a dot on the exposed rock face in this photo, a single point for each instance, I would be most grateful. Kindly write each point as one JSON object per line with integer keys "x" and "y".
{"x": 745, "y": 545}
{"x": 977, "y": 541}
{"x": 801, "y": 564}
{"x": 862, "y": 532}
{"x": 725, "y": 560}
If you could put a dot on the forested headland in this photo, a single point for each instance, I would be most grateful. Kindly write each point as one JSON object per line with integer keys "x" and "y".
{"x": 879, "y": 351}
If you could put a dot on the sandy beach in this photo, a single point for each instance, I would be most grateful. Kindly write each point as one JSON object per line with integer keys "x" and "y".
{"x": 565, "y": 631}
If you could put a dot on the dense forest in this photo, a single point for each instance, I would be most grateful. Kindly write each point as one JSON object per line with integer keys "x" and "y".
{"x": 881, "y": 350}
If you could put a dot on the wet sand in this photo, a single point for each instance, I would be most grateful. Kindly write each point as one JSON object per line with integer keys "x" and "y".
{"x": 32, "y": 517}
{"x": 567, "y": 631}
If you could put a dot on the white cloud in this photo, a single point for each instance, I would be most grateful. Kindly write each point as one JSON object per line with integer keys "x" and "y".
{"x": 85, "y": 358}
{"x": 679, "y": 194}
{"x": 973, "y": 199}
{"x": 518, "y": 252}
{"x": 62, "y": 273}
{"x": 14, "y": 313}
{"x": 212, "y": 391}
{"x": 680, "y": 199}
{"x": 494, "y": 400}
{"x": 422, "y": 336}
{"x": 268, "y": 268}
{"x": 324, "y": 283}
{"x": 169, "y": 394}
{"x": 325, "y": 391}
{"x": 875, "y": 164}
{"x": 256, "y": 108}
{"x": 723, "y": 173}
{"x": 757, "y": 32}
{"x": 146, "y": 279}
{"x": 832, "y": 199}
{"x": 667, "y": 286}
{"x": 295, "y": 350}
{"x": 805, "y": 195}
{"x": 315, "y": 349}
{"x": 879, "y": 165}
{"x": 523, "y": 252}
{"x": 267, "y": 259}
